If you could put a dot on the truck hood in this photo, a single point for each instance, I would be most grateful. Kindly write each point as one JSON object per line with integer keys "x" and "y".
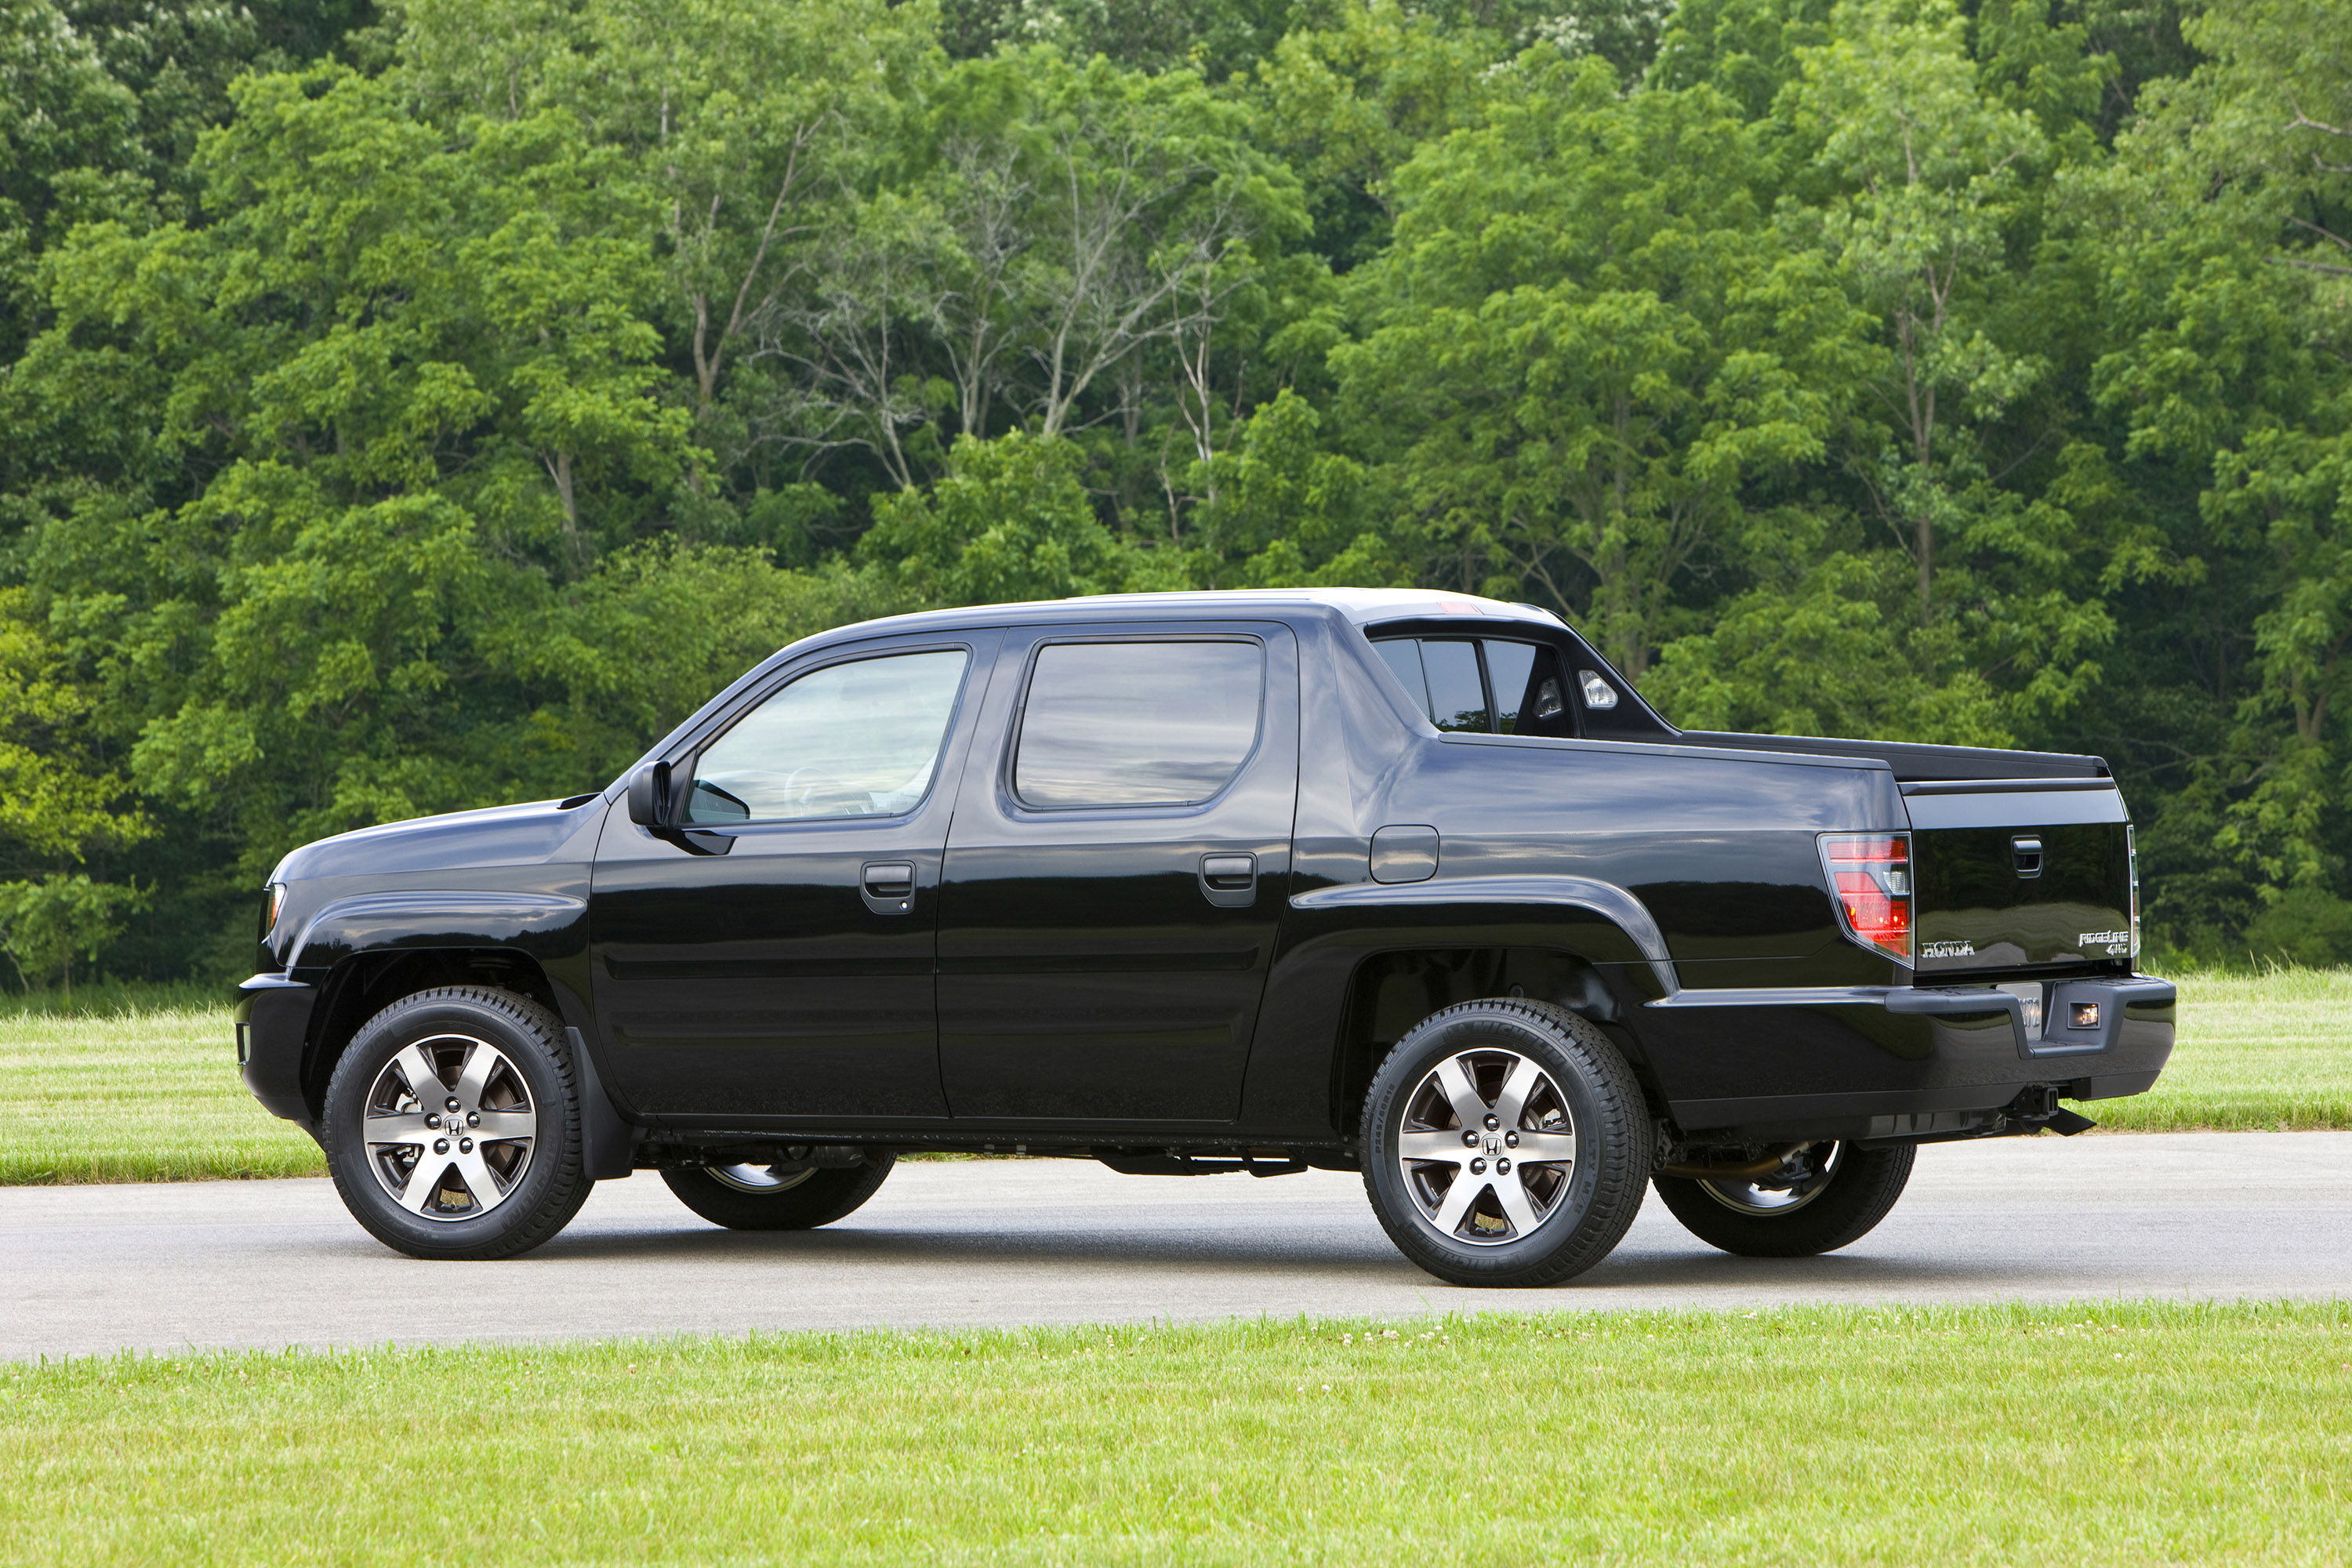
{"x": 526, "y": 834}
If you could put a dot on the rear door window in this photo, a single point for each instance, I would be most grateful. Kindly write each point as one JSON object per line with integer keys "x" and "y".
{"x": 1137, "y": 723}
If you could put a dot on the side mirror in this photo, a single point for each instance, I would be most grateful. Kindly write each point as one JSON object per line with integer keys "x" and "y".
{"x": 649, "y": 795}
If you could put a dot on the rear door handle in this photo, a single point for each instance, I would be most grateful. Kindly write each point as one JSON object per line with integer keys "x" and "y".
{"x": 1229, "y": 873}
{"x": 888, "y": 886}
{"x": 1229, "y": 878}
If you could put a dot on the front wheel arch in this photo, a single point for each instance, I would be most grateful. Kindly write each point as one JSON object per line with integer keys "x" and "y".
{"x": 365, "y": 984}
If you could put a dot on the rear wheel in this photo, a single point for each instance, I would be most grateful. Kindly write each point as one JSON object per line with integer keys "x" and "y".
{"x": 1821, "y": 1197}
{"x": 789, "y": 1196}
{"x": 1505, "y": 1144}
{"x": 452, "y": 1128}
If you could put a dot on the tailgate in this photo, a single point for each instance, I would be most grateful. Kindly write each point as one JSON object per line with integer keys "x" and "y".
{"x": 2020, "y": 874}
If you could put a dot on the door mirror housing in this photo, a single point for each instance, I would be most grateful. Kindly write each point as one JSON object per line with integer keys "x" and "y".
{"x": 649, "y": 795}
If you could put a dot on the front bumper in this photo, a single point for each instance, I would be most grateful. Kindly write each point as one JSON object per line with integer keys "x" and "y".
{"x": 1879, "y": 1061}
{"x": 273, "y": 1024}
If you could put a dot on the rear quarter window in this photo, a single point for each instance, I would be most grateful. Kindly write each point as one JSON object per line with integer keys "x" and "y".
{"x": 1483, "y": 685}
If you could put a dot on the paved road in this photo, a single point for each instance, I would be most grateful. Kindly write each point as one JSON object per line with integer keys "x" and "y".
{"x": 270, "y": 1264}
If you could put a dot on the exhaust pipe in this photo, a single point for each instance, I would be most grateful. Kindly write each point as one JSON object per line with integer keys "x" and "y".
{"x": 1749, "y": 1172}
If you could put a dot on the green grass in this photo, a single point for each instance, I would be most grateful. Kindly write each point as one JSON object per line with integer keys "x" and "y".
{"x": 146, "y": 1096}
{"x": 2255, "y": 1052}
{"x": 2112, "y": 1433}
{"x": 144, "y": 1093}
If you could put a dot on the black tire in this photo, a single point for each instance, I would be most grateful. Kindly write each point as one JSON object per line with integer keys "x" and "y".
{"x": 449, "y": 1025}
{"x": 803, "y": 1201}
{"x": 1586, "y": 1201}
{"x": 1859, "y": 1193}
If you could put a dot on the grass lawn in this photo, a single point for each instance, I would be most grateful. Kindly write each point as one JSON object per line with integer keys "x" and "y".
{"x": 2255, "y": 1052}
{"x": 151, "y": 1093}
{"x": 144, "y": 1095}
{"x": 2112, "y": 1433}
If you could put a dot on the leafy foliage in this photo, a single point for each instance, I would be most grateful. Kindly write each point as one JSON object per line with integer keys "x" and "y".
{"x": 418, "y": 410}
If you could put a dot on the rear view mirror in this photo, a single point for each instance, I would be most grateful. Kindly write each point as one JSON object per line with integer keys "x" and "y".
{"x": 649, "y": 795}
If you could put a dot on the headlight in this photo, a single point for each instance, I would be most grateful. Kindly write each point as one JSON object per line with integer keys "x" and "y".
{"x": 276, "y": 893}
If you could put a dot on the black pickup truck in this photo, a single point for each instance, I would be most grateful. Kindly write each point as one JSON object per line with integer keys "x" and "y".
{"x": 1397, "y": 882}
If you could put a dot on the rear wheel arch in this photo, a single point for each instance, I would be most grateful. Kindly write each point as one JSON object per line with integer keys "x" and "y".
{"x": 1392, "y": 990}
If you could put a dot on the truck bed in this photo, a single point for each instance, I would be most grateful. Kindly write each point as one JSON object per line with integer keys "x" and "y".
{"x": 1913, "y": 763}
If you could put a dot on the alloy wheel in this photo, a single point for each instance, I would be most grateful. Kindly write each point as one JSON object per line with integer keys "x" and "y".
{"x": 1805, "y": 1174}
{"x": 1487, "y": 1148}
{"x": 761, "y": 1179}
{"x": 449, "y": 1128}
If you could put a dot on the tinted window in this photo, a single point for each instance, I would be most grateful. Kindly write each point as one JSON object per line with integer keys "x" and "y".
{"x": 1522, "y": 681}
{"x": 1531, "y": 699}
{"x": 1457, "y": 698}
{"x": 850, "y": 739}
{"x": 1402, "y": 655}
{"x": 1137, "y": 723}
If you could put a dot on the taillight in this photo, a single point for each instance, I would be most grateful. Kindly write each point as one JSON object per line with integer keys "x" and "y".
{"x": 2131, "y": 853}
{"x": 1870, "y": 874}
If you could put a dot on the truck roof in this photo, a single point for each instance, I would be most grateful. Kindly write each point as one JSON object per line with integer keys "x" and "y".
{"x": 1362, "y": 606}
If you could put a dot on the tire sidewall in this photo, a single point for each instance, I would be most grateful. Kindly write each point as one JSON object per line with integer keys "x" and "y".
{"x": 529, "y": 1043}
{"x": 829, "y": 1195}
{"x": 1861, "y": 1193}
{"x": 1571, "y": 1225}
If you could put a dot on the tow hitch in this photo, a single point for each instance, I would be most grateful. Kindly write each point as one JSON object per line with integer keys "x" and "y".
{"x": 2038, "y": 1108}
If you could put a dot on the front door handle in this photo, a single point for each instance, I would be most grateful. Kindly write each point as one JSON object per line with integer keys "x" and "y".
{"x": 888, "y": 886}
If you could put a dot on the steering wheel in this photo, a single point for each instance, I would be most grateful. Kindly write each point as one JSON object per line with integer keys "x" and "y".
{"x": 810, "y": 791}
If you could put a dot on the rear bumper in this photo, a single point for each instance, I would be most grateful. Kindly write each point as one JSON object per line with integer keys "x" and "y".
{"x": 1897, "y": 1061}
{"x": 273, "y": 1024}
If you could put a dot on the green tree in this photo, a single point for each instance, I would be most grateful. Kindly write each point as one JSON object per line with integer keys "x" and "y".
{"x": 2227, "y": 267}
{"x": 1010, "y": 520}
{"x": 62, "y": 806}
{"x": 415, "y": 366}
{"x": 1588, "y": 341}
{"x": 1348, "y": 105}
{"x": 68, "y": 149}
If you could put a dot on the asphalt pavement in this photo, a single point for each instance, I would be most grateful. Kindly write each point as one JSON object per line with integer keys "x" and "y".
{"x": 207, "y": 1264}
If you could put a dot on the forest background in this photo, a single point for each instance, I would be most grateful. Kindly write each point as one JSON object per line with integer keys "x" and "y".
{"x": 423, "y": 406}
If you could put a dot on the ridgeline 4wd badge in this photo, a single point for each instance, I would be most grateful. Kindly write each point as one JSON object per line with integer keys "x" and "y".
{"x": 1948, "y": 950}
{"x": 2117, "y": 943}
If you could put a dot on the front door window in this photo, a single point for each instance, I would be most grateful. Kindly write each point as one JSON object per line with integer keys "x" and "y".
{"x": 860, "y": 739}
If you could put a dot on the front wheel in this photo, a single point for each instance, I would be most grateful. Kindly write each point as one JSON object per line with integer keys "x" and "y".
{"x": 797, "y": 1196}
{"x": 452, "y": 1127}
{"x": 1821, "y": 1197}
{"x": 1505, "y": 1144}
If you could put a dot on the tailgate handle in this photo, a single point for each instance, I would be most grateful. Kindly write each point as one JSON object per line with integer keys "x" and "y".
{"x": 2027, "y": 850}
